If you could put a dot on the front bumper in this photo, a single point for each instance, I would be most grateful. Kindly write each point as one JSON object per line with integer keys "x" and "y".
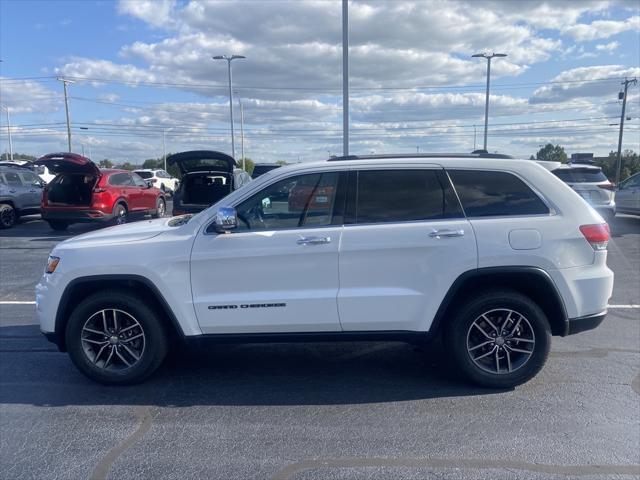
{"x": 77, "y": 216}
{"x": 582, "y": 324}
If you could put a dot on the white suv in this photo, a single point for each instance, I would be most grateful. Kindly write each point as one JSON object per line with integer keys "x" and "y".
{"x": 160, "y": 179}
{"x": 495, "y": 255}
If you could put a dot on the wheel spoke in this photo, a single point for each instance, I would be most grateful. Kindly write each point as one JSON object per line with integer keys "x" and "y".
{"x": 507, "y": 320}
{"x": 480, "y": 345}
{"x": 106, "y": 364}
{"x": 486, "y": 354}
{"x": 508, "y": 359}
{"x": 95, "y": 360}
{"x": 97, "y": 342}
{"x": 497, "y": 360}
{"x": 115, "y": 321}
{"x": 126, "y": 329}
{"x": 525, "y": 340}
{"x": 122, "y": 358}
{"x": 131, "y": 353}
{"x": 91, "y": 330}
{"x": 519, "y": 350}
{"x": 127, "y": 340}
{"x": 475, "y": 324}
{"x": 513, "y": 330}
{"x": 486, "y": 319}
{"x": 104, "y": 322}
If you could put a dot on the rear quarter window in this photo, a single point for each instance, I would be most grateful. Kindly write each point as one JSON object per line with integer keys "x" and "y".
{"x": 488, "y": 194}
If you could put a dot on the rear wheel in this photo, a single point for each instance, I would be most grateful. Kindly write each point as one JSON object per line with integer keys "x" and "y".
{"x": 119, "y": 214}
{"x": 8, "y": 216}
{"x": 500, "y": 339}
{"x": 161, "y": 208}
{"x": 114, "y": 338}
{"x": 58, "y": 225}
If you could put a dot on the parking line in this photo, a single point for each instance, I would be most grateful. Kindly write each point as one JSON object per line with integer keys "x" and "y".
{"x": 624, "y": 306}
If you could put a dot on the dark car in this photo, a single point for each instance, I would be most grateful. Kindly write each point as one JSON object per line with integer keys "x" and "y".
{"x": 262, "y": 168}
{"x": 207, "y": 177}
{"x": 20, "y": 193}
{"x": 81, "y": 193}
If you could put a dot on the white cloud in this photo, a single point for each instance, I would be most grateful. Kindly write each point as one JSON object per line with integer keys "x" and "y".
{"x": 608, "y": 47}
{"x": 599, "y": 29}
{"x": 27, "y": 96}
{"x": 157, "y": 13}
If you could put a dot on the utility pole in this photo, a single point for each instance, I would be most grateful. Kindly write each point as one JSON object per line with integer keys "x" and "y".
{"x": 488, "y": 56}
{"x": 242, "y": 133}
{"x": 229, "y": 59}
{"x": 9, "y": 132}
{"x": 474, "y": 138}
{"x": 626, "y": 84}
{"x": 418, "y": 149}
{"x": 164, "y": 149}
{"x": 66, "y": 107}
{"x": 345, "y": 77}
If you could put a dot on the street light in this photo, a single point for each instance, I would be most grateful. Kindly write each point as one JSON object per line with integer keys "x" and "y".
{"x": 9, "y": 132}
{"x": 229, "y": 59}
{"x": 488, "y": 56}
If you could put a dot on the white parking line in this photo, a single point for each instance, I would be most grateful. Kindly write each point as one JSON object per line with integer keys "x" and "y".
{"x": 624, "y": 306}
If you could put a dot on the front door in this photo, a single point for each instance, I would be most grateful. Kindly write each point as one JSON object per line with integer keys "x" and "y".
{"x": 628, "y": 195}
{"x": 407, "y": 243}
{"x": 278, "y": 272}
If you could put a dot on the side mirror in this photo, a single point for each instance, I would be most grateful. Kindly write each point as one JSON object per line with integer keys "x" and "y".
{"x": 149, "y": 184}
{"x": 38, "y": 183}
{"x": 226, "y": 220}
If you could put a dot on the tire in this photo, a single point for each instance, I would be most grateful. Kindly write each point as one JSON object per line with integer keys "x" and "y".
{"x": 163, "y": 188}
{"x": 8, "y": 216}
{"x": 58, "y": 225}
{"x": 528, "y": 331}
{"x": 119, "y": 214}
{"x": 123, "y": 359}
{"x": 161, "y": 208}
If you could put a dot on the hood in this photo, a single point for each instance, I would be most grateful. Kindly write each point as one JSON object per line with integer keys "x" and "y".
{"x": 68, "y": 163}
{"x": 202, "y": 161}
{"x": 129, "y": 232}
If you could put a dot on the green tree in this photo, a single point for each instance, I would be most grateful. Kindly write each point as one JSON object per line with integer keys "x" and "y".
{"x": 282, "y": 162}
{"x": 105, "y": 163}
{"x": 249, "y": 164}
{"x": 552, "y": 153}
{"x": 630, "y": 164}
{"x": 127, "y": 166}
{"x": 17, "y": 156}
{"x": 152, "y": 163}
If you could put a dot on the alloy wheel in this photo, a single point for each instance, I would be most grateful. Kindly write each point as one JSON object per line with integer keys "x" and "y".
{"x": 7, "y": 217}
{"x": 161, "y": 208}
{"x": 113, "y": 340}
{"x": 121, "y": 215}
{"x": 500, "y": 341}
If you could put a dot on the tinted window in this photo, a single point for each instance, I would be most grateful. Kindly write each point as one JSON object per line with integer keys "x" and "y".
{"x": 580, "y": 175}
{"x": 632, "y": 182}
{"x": 401, "y": 196}
{"x": 29, "y": 178}
{"x": 137, "y": 181}
{"x": 300, "y": 201}
{"x": 120, "y": 179}
{"x": 485, "y": 194}
{"x": 12, "y": 179}
{"x": 145, "y": 174}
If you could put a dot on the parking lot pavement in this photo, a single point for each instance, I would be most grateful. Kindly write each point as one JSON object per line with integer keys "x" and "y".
{"x": 331, "y": 411}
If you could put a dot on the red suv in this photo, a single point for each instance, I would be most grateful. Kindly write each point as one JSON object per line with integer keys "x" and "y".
{"x": 81, "y": 192}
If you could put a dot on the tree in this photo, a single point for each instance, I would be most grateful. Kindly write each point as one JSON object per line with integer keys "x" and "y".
{"x": 552, "y": 153}
{"x": 282, "y": 162}
{"x": 127, "y": 166}
{"x": 17, "y": 156}
{"x": 105, "y": 163}
{"x": 249, "y": 164}
{"x": 153, "y": 163}
{"x": 630, "y": 164}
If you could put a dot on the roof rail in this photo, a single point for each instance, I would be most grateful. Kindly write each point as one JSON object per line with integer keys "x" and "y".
{"x": 391, "y": 156}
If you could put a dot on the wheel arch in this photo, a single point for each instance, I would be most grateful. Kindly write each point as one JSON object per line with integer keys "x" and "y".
{"x": 533, "y": 282}
{"x": 83, "y": 286}
{"x": 120, "y": 201}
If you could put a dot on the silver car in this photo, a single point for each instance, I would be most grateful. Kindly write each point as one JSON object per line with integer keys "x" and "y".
{"x": 628, "y": 195}
{"x": 20, "y": 194}
{"x": 591, "y": 184}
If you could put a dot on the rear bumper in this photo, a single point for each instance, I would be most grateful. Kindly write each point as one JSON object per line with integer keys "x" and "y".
{"x": 77, "y": 216}
{"x": 582, "y": 324}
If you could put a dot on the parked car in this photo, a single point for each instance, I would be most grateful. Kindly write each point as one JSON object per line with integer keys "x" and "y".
{"x": 160, "y": 179}
{"x": 207, "y": 177}
{"x": 20, "y": 193}
{"x": 262, "y": 168}
{"x": 591, "y": 184}
{"x": 39, "y": 170}
{"x": 494, "y": 256}
{"x": 81, "y": 192}
{"x": 628, "y": 196}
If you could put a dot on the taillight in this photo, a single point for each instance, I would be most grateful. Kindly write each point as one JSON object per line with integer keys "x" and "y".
{"x": 154, "y": 180}
{"x": 597, "y": 235}
{"x": 608, "y": 186}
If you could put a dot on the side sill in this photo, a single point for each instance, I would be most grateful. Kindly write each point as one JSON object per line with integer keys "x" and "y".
{"x": 582, "y": 324}
{"x": 309, "y": 337}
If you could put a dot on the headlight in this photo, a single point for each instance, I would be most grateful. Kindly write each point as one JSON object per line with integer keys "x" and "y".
{"x": 52, "y": 264}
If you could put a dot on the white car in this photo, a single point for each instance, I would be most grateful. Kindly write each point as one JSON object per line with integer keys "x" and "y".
{"x": 160, "y": 179}
{"x": 591, "y": 184}
{"x": 495, "y": 255}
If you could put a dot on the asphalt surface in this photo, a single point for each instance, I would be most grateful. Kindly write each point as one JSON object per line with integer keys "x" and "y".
{"x": 306, "y": 411}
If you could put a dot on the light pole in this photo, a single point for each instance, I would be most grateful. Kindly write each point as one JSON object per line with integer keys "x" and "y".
{"x": 229, "y": 59}
{"x": 242, "y": 133}
{"x": 164, "y": 149}
{"x": 624, "y": 107}
{"x": 66, "y": 108}
{"x": 345, "y": 78}
{"x": 488, "y": 56}
{"x": 9, "y": 132}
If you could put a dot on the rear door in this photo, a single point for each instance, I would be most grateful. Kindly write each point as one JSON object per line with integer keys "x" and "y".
{"x": 33, "y": 190}
{"x": 405, "y": 241}
{"x": 17, "y": 190}
{"x": 628, "y": 195}
{"x": 148, "y": 195}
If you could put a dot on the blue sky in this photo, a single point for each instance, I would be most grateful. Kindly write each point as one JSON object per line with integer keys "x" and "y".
{"x": 144, "y": 68}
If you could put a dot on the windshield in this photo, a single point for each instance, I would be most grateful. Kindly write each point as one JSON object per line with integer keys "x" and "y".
{"x": 580, "y": 175}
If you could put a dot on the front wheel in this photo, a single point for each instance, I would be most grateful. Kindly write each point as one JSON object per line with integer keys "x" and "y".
{"x": 8, "y": 216}
{"x": 115, "y": 339}
{"x": 161, "y": 208}
{"x": 499, "y": 339}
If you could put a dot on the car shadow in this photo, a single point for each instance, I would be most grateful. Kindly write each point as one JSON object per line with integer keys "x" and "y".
{"x": 33, "y": 372}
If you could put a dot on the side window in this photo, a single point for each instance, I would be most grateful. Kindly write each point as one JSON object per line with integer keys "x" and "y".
{"x": 13, "y": 180}
{"x": 137, "y": 181}
{"x": 29, "y": 178}
{"x": 633, "y": 182}
{"x": 300, "y": 201}
{"x": 387, "y": 196}
{"x": 120, "y": 179}
{"x": 486, "y": 194}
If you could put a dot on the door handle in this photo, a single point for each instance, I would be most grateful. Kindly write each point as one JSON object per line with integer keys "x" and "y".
{"x": 12, "y": 191}
{"x": 313, "y": 240}
{"x": 446, "y": 233}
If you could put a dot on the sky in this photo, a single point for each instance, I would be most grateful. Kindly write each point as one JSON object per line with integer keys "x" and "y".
{"x": 142, "y": 70}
